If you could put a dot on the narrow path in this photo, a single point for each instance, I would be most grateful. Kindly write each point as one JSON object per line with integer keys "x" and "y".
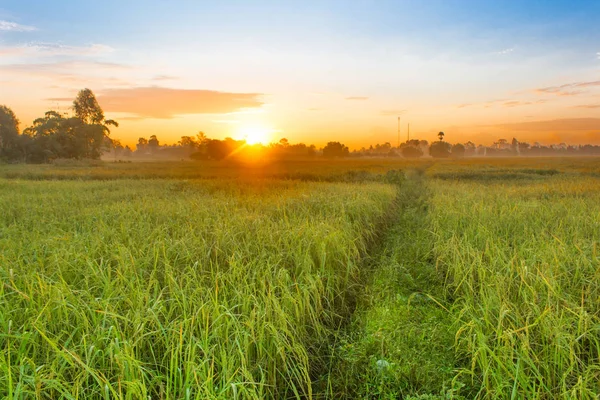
{"x": 399, "y": 343}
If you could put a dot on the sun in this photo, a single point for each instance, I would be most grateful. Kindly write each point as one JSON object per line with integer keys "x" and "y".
{"x": 256, "y": 134}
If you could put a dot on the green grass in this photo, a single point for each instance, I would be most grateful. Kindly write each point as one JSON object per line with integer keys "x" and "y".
{"x": 173, "y": 289}
{"x": 522, "y": 264}
{"x": 400, "y": 342}
{"x": 474, "y": 278}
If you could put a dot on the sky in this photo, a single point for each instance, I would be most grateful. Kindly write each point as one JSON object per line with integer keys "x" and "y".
{"x": 311, "y": 71}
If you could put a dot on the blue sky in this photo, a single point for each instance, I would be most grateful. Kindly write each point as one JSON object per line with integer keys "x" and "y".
{"x": 477, "y": 69}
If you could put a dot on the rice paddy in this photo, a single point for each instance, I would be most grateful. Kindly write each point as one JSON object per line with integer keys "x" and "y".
{"x": 340, "y": 279}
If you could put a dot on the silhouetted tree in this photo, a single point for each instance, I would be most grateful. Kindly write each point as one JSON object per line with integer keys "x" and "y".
{"x": 9, "y": 135}
{"x": 142, "y": 145}
{"x": 411, "y": 149}
{"x": 441, "y": 136}
{"x": 440, "y": 149}
{"x": 153, "y": 144}
{"x": 335, "y": 150}
{"x": 458, "y": 150}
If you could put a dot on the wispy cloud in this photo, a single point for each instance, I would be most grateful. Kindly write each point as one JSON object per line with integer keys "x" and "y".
{"x": 556, "y": 125}
{"x": 502, "y": 103}
{"x": 8, "y": 26}
{"x": 165, "y": 103}
{"x": 516, "y": 103}
{"x": 357, "y": 98}
{"x": 591, "y": 106}
{"x": 71, "y": 73}
{"x": 505, "y": 51}
{"x": 36, "y": 49}
{"x": 569, "y": 89}
{"x": 164, "y": 78}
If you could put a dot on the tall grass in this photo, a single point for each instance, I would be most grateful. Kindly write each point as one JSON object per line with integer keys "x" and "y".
{"x": 174, "y": 289}
{"x": 522, "y": 267}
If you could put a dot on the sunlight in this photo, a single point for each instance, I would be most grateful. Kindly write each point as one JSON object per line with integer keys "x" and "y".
{"x": 256, "y": 134}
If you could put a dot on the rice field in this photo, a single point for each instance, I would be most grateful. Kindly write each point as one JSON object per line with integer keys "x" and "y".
{"x": 456, "y": 279}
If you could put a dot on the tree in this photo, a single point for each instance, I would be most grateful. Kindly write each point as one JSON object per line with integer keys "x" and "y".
{"x": 514, "y": 146}
{"x": 9, "y": 134}
{"x": 153, "y": 144}
{"x": 440, "y": 149}
{"x": 141, "y": 145}
{"x": 335, "y": 149}
{"x": 441, "y": 136}
{"x": 411, "y": 151}
{"x": 93, "y": 128}
{"x": 458, "y": 150}
{"x": 87, "y": 109}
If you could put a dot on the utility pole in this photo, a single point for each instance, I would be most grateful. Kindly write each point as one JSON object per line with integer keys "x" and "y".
{"x": 398, "y": 131}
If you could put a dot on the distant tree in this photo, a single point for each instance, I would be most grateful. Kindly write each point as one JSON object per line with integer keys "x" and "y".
{"x": 440, "y": 149}
{"x": 411, "y": 149}
{"x": 284, "y": 142}
{"x": 458, "y": 150}
{"x": 335, "y": 150}
{"x": 153, "y": 144}
{"x": 441, "y": 136}
{"x": 514, "y": 146}
{"x": 188, "y": 142}
{"x": 9, "y": 134}
{"x": 470, "y": 148}
{"x": 141, "y": 145}
{"x": 220, "y": 149}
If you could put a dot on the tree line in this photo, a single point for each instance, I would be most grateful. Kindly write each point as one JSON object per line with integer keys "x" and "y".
{"x": 85, "y": 135}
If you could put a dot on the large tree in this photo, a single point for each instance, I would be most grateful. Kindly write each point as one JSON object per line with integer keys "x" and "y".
{"x": 93, "y": 129}
{"x": 9, "y": 133}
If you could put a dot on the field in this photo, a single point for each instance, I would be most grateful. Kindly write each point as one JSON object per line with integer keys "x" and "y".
{"x": 370, "y": 278}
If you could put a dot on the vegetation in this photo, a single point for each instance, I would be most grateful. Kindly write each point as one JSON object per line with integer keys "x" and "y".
{"x": 347, "y": 278}
{"x": 86, "y": 135}
{"x": 176, "y": 289}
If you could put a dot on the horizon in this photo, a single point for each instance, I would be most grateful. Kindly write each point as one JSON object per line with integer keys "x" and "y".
{"x": 266, "y": 71}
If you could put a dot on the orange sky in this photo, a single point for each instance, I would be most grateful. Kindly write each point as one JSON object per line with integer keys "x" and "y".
{"x": 321, "y": 76}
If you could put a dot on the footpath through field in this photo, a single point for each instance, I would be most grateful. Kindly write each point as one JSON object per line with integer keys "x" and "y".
{"x": 399, "y": 342}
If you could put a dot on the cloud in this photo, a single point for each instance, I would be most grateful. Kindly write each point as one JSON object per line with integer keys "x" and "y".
{"x": 516, "y": 103}
{"x": 569, "y": 89}
{"x": 315, "y": 109}
{"x": 37, "y": 49}
{"x": 164, "y": 78}
{"x": 505, "y": 51}
{"x": 159, "y": 102}
{"x": 588, "y": 106}
{"x": 391, "y": 113}
{"x": 503, "y": 103}
{"x": 598, "y": 55}
{"x": 357, "y": 98}
{"x": 61, "y": 66}
{"x": 7, "y": 26}
{"x": 70, "y": 73}
{"x": 556, "y": 125}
